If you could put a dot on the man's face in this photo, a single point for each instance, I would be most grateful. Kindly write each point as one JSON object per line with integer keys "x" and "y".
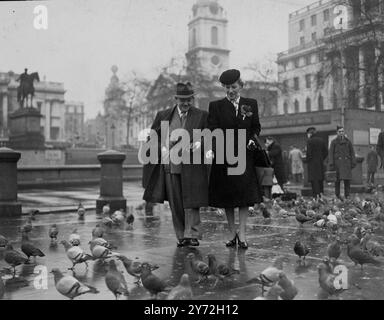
{"x": 184, "y": 103}
{"x": 341, "y": 133}
{"x": 233, "y": 90}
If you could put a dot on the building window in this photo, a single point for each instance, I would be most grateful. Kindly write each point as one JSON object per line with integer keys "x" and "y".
{"x": 285, "y": 107}
{"x": 214, "y": 36}
{"x": 308, "y": 105}
{"x": 334, "y": 100}
{"x": 321, "y": 56}
{"x": 313, "y": 20}
{"x": 296, "y": 63}
{"x": 308, "y": 60}
{"x": 297, "y": 106}
{"x": 296, "y": 83}
{"x": 285, "y": 86}
{"x": 326, "y": 15}
{"x": 308, "y": 81}
{"x": 301, "y": 25}
{"x": 321, "y": 102}
{"x": 39, "y": 104}
{"x": 320, "y": 79}
{"x": 302, "y": 40}
{"x": 314, "y": 36}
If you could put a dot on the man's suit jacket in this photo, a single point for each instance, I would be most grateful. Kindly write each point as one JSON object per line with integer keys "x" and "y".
{"x": 194, "y": 177}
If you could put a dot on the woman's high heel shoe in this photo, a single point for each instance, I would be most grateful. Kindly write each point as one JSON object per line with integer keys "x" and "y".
{"x": 233, "y": 242}
{"x": 242, "y": 244}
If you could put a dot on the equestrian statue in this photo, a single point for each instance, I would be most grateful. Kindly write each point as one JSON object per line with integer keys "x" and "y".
{"x": 26, "y": 88}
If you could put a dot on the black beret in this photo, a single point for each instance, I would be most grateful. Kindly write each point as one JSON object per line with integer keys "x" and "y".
{"x": 229, "y": 77}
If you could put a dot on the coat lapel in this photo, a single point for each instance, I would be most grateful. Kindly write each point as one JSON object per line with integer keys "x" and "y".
{"x": 192, "y": 121}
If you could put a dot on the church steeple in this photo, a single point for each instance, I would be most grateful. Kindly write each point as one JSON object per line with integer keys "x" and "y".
{"x": 207, "y": 49}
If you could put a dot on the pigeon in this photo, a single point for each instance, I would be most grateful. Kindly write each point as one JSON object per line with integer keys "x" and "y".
{"x": 182, "y": 291}
{"x": 288, "y": 286}
{"x": 327, "y": 278}
{"x": 301, "y": 249}
{"x": 2, "y": 288}
{"x": 3, "y": 241}
{"x": 98, "y": 231}
{"x": 74, "y": 238}
{"x": 220, "y": 271}
{"x": 69, "y": 286}
{"x": 115, "y": 281}
{"x": 13, "y": 258}
{"x": 269, "y": 276}
{"x": 104, "y": 243}
{"x": 106, "y": 209}
{"x": 371, "y": 246}
{"x": 301, "y": 217}
{"x": 273, "y": 293}
{"x": 118, "y": 217}
{"x": 130, "y": 219}
{"x": 151, "y": 282}
{"x": 53, "y": 232}
{"x": 334, "y": 249}
{"x": 28, "y": 226}
{"x": 32, "y": 214}
{"x": 134, "y": 267}
{"x": 29, "y": 249}
{"x": 200, "y": 268}
{"x": 81, "y": 211}
{"x": 357, "y": 255}
{"x": 75, "y": 254}
{"x": 101, "y": 252}
{"x": 266, "y": 214}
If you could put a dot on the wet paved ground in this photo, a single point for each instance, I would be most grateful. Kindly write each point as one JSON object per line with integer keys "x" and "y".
{"x": 154, "y": 241}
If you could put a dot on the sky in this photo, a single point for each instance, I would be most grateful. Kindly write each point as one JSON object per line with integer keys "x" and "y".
{"x": 85, "y": 38}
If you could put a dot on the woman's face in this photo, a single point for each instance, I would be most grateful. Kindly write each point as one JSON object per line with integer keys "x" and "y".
{"x": 233, "y": 90}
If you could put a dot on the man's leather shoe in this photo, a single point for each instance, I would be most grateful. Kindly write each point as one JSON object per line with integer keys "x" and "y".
{"x": 193, "y": 242}
{"x": 182, "y": 243}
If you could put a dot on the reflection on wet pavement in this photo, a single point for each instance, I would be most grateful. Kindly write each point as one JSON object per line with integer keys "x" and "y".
{"x": 153, "y": 240}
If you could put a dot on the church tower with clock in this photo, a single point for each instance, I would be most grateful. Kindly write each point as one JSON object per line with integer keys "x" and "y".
{"x": 207, "y": 49}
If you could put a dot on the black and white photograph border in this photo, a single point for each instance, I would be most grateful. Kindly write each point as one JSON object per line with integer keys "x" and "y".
{"x": 86, "y": 84}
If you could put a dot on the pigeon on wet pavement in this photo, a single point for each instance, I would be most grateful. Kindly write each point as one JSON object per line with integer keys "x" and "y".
{"x": 74, "y": 238}
{"x": 28, "y": 226}
{"x": 69, "y": 286}
{"x": 75, "y": 254}
{"x": 199, "y": 267}
{"x": 14, "y": 258}
{"x": 98, "y": 231}
{"x": 182, "y": 291}
{"x": 301, "y": 250}
{"x": 327, "y": 279}
{"x": 334, "y": 249}
{"x": 220, "y": 270}
{"x": 53, "y": 232}
{"x": 151, "y": 282}
{"x": 273, "y": 293}
{"x": 81, "y": 211}
{"x": 288, "y": 286}
{"x": 28, "y": 248}
{"x": 115, "y": 280}
{"x": 359, "y": 256}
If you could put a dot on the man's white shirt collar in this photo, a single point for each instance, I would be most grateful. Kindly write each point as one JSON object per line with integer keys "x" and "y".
{"x": 180, "y": 112}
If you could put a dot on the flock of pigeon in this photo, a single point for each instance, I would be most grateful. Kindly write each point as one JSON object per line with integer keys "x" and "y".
{"x": 352, "y": 222}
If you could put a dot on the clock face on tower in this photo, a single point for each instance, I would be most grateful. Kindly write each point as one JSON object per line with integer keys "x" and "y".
{"x": 215, "y": 60}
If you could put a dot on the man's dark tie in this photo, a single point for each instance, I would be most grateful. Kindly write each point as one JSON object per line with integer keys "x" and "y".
{"x": 183, "y": 116}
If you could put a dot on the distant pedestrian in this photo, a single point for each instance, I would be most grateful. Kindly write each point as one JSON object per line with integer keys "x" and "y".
{"x": 287, "y": 165}
{"x": 296, "y": 158}
{"x": 372, "y": 163}
{"x": 380, "y": 148}
{"x": 342, "y": 159}
{"x": 317, "y": 152}
{"x": 276, "y": 155}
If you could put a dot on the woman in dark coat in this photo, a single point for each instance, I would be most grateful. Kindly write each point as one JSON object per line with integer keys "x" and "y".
{"x": 239, "y": 190}
{"x": 276, "y": 155}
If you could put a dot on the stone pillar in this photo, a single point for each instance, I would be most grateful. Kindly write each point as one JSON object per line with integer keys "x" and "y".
{"x": 357, "y": 176}
{"x": 111, "y": 181}
{"x": 361, "y": 78}
{"x": 47, "y": 120}
{"x": 9, "y": 206}
{"x": 5, "y": 110}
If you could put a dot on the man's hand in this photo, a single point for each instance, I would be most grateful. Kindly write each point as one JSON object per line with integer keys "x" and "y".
{"x": 251, "y": 145}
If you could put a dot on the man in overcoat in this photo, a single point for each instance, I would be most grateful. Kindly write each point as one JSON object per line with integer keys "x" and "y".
{"x": 380, "y": 148}
{"x": 184, "y": 185}
{"x": 342, "y": 159}
{"x": 276, "y": 155}
{"x": 317, "y": 152}
{"x": 235, "y": 115}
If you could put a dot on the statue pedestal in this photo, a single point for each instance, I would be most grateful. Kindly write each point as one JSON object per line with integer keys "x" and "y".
{"x": 25, "y": 130}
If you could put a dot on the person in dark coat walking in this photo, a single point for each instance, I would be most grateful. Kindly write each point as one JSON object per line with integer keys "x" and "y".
{"x": 372, "y": 163}
{"x": 240, "y": 190}
{"x": 380, "y": 148}
{"x": 184, "y": 185}
{"x": 276, "y": 155}
{"x": 317, "y": 152}
{"x": 342, "y": 159}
